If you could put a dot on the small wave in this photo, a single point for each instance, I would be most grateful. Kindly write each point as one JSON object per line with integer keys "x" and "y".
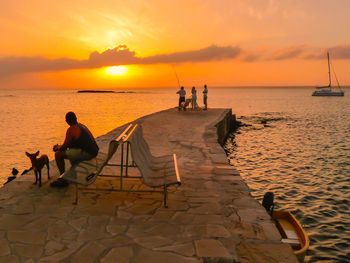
{"x": 340, "y": 228}
{"x": 329, "y": 213}
{"x": 324, "y": 258}
{"x": 292, "y": 193}
{"x": 342, "y": 245}
{"x": 345, "y": 258}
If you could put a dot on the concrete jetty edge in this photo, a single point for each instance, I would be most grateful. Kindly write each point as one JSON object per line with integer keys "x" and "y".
{"x": 211, "y": 217}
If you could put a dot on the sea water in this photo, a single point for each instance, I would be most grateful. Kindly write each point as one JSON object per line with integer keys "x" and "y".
{"x": 298, "y": 147}
{"x": 291, "y": 143}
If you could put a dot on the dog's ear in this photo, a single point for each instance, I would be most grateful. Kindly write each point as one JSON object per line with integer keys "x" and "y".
{"x": 27, "y": 153}
{"x": 37, "y": 153}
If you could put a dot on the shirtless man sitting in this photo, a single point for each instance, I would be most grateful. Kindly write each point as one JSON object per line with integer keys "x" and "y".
{"x": 79, "y": 145}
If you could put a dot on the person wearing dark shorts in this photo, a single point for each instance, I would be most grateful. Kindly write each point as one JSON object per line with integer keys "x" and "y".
{"x": 205, "y": 97}
{"x": 79, "y": 145}
{"x": 182, "y": 98}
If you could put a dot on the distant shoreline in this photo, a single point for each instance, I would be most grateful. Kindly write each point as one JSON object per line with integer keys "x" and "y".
{"x": 103, "y": 91}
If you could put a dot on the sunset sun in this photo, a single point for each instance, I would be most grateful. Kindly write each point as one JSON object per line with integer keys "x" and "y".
{"x": 116, "y": 70}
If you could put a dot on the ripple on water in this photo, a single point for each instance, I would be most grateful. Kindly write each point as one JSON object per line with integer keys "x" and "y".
{"x": 291, "y": 193}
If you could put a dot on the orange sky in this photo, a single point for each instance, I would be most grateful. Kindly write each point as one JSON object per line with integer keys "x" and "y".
{"x": 69, "y": 44}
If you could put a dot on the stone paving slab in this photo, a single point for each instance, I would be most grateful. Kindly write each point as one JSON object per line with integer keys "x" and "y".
{"x": 211, "y": 216}
{"x": 212, "y": 250}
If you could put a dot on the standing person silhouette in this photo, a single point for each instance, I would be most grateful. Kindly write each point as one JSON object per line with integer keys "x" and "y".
{"x": 182, "y": 97}
{"x": 194, "y": 97}
{"x": 205, "y": 97}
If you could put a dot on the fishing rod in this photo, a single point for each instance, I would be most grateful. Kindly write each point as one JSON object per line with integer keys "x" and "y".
{"x": 177, "y": 77}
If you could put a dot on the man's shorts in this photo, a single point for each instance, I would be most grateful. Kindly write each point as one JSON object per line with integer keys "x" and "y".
{"x": 77, "y": 155}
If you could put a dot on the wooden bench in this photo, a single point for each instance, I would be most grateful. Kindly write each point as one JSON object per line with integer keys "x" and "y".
{"x": 156, "y": 172}
{"x": 86, "y": 172}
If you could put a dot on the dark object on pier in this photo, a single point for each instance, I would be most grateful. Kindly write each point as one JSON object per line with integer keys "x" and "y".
{"x": 268, "y": 202}
{"x": 14, "y": 171}
{"x": 13, "y": 176}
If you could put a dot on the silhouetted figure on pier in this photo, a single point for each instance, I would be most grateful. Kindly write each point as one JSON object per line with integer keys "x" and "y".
{"x": 268, "y": 202}
{"x": 79, "y": 145}
{"x": 182, "y": 98}
{"x": 13, "y": 176}
{"x": 205, "y": 97}
{"x": 194, "y": 98}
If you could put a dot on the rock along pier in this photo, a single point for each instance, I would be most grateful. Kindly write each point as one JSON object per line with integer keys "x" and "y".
{"x": 211, "y": 217}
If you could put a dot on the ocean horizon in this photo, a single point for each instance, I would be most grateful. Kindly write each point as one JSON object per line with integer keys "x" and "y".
{"x": 188, "y": 87}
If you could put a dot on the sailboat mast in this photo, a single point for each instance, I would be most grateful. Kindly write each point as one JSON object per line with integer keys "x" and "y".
{"x": 329, "y": 71}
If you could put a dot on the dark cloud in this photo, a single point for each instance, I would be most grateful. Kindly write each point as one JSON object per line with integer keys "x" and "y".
{"x": 288, "y": 53}
{"x": 273, "y": 55}
{"x": 300, "y": 52}
{"x": 251, "y": 58}
{"x": 206, "y": 54}
{"x": 13, "y": 65}
{"x": 121, "y": 55}
{"x": 336, "y": 52}
{"x": 340, "y": 52}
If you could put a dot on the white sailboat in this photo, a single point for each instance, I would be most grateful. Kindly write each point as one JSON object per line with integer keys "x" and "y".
{"x": 328, "y": 91}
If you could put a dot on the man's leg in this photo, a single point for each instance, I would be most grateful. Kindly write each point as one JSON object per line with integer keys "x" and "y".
{"x": 72, "y": 155}
{"x": 182, "y": 103}
{"x": 59, "y": 157}
{"x": 76, "y": 156}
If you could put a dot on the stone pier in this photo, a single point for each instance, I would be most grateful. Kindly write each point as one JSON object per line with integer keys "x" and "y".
{"x": 211, "y": 216}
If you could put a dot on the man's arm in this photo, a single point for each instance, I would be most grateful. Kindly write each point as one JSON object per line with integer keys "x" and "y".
{"x": 67, "y": 140}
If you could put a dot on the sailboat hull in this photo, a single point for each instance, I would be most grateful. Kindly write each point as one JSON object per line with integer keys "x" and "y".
{"x": 328, "y": 93}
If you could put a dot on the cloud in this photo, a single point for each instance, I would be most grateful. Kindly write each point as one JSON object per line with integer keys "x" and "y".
{"x": 297, "y": 52}
{"x": 121, "y": 55}
{"x": 273, "y": 55}
{"x": 340, "y": 52}
{"x": 13, "y": 65}
{"x": 288, "y": 53}
{"x": 336, "y": 52}
{"x": 206, "y": 54}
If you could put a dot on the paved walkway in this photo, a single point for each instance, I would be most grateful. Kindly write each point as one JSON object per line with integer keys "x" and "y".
{"x": 211, "y": 216}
